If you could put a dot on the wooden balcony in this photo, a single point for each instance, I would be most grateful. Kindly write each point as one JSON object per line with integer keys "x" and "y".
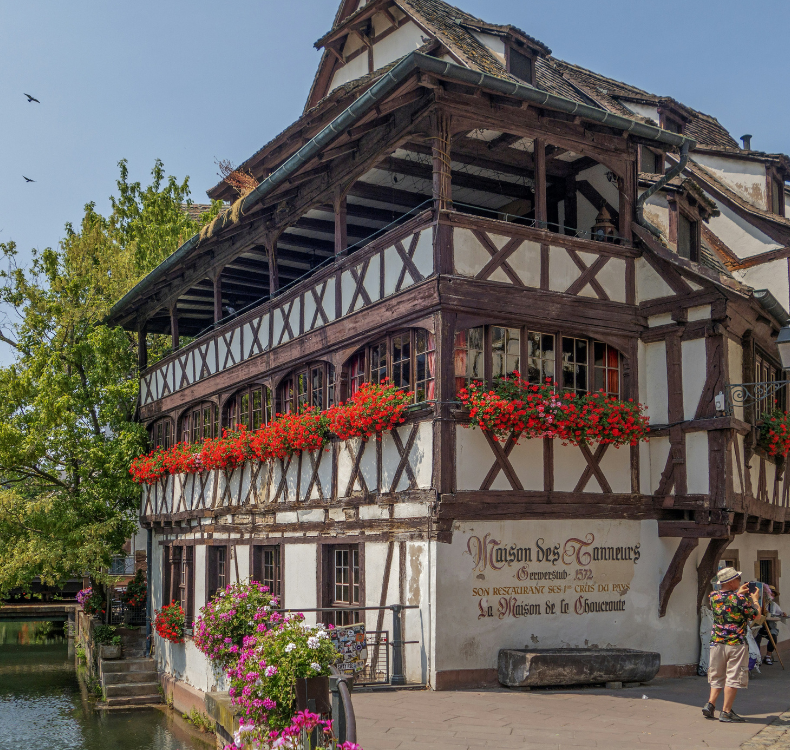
{"x": 385, "y": 267}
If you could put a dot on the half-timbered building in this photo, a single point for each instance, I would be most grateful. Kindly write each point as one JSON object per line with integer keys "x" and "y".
{"x": 456, "y": 203}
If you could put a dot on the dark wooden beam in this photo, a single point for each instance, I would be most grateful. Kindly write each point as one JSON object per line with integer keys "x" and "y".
{"x": 674, "y": 572}
{"x": 541, "y": 213}
{"x": 459, "y": 179}
{"x": 218, "y": 297}
{"x": 597, "y": 200}
{"x": 174, "y": 325}
{"x": 502, "y": 141}
{"x": 341, "y": 224}
{"x": 387, "y": 195}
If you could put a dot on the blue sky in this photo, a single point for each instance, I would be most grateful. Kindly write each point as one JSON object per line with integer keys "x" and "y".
{"x": 189, "y": 82}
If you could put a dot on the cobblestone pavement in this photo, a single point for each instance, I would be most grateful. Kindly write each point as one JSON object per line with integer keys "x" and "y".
{"x": 670, "y": 718}
{"x": 776, "y": 736}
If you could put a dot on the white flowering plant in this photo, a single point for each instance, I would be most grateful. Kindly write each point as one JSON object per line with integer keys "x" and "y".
{"x": 263, "y": 680}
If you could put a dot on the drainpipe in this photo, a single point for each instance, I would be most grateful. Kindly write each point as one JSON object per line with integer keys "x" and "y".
{"x": 670, "y": 175}
{"x": 148, "y": 605}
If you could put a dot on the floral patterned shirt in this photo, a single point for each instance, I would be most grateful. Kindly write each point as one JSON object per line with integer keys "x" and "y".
{"x": 731, "y": 613}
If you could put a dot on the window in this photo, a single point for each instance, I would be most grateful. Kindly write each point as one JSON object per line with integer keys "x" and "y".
{"x": 574, "y": 364}
{"x": 767, "y": 568}
{"x": 506, "y": 348}
{"x": 469, "y": 362}
{"x": 345, "y": 582}
{"x": 161, "y": 434}
{"x": 606, "y": 362}
{"x": 581, "y": 365}
{"x": 266, "y": 568}
{"x": 200, "y": 423}
{"x": 251, "y": 407}
{"x": 407, "y": 359}
{"x": 356, "y": 373}
{"x": 650, "y": 161}
{"x": 687, "y": 237}
{"x": 777, "y": 197}
{"x": 519, "y": 65}
{"x": 766, "y": 372}
{"x": 217, "y": 569}
{"x": 540, "y": 350}
{"x": 178, "y": 583}
{"x": 312, "y": 386}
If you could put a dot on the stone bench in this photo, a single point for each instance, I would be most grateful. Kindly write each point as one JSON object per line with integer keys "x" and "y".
{"x": 575, "y": 666}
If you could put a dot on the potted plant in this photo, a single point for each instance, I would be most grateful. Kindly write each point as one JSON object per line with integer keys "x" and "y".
{"x": 109, "y": 644}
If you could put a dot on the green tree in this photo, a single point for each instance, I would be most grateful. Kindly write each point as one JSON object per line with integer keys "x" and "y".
{"x": 68, "y": 400}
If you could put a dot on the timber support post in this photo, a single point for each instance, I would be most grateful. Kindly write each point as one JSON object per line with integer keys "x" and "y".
{"x": 341, "y": 224}
{"x": 142, "y": 345}
{"x": 398, "y": 678}
{"x": 174, "y": 326}
{"x": 217, "y": 282}
{"x": 541, "y": 211}
{"x": 270, "y": 243}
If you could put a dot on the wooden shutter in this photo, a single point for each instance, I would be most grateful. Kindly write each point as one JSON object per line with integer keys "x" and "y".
{"x": 166, "y": 575}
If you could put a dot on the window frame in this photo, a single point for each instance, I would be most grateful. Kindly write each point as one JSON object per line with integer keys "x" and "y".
{"x": 775, "y": 193}
{"x": 257, "y": 552}
{"x": 624, "y": 384}
{"x": 387, "y": 343}
{"x": 192, "y": 433}
{"x": 512, "y": 47}
{"x": 178, "y": 578}
{"x": 771, "y": 556}
{"x": 287, "y": 402}
{"x": 347, "y": 613}
{"x": 236, "y": 401}
{"x": 161, "y": 434}
{"x": 213, "y": 576}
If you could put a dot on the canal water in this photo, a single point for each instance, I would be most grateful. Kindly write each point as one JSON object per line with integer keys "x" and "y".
{"x": 44, "y": 703}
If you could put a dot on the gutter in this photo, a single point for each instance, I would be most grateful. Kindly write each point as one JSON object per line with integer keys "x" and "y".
{"x": 771, "y": 305}
{"x": 670, "y": 175}
{"x": 387, "y": 83}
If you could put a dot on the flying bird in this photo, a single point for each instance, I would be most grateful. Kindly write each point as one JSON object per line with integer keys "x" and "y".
{"x": 27, "y": 179}
{"x": 32, "y": 99}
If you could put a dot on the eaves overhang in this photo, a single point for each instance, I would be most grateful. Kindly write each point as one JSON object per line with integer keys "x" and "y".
{"x": 414, "y": 61}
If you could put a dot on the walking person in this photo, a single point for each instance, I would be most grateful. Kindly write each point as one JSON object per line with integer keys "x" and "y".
{"x": 773, "y": 613}
{"x": 732, "y": 606}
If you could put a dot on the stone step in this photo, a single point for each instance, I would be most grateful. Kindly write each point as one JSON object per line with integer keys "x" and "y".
{"x": 119, "y": 678}
{"x": 108, "y": 666}
{"x": 133, "y": 700}
{"x": 130, "y": 689}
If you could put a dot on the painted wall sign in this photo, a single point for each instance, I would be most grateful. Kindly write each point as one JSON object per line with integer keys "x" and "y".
{"x": 571, "y": 574}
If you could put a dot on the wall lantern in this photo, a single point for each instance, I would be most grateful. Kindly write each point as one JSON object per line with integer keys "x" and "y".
{"x": 604, "y": 229}
{"x": 783, "y": 344}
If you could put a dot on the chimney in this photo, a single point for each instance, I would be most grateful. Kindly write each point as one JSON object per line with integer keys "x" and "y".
{"x": 747, "y": 142}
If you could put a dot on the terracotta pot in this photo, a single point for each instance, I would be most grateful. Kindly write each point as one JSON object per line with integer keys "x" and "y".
{"x": 312, "y": 694}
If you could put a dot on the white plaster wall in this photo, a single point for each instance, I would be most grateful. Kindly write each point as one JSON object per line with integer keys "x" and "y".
{"x": 645, "y": 110}
{"x": 300, "y": 568}
{"x": 694, "y": 369}
{"x": 747, "y": 178}
{"x": 467, "y": 640}
{"x": 562, "y": 270}
{"x": 697, "y": 466}
{"x": 357, "y": 68}
{"x": 659, "y": 451}
{"x": 738, "y": 234}
{"x": 494, "y": 43}
{"x": 772, "y": 276}
{"x": 655, "y": 394}
{"x": 240, "y": 565}
{"x": 399, "y": 43}
{"x": 200, "y": 577}
{"x": 649, "y": 285}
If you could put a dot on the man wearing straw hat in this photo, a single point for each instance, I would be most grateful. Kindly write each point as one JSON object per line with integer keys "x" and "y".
{"x": 733, "y": 606}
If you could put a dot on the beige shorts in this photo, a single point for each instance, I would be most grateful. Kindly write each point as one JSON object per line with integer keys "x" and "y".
{"x": 729, "y": 666}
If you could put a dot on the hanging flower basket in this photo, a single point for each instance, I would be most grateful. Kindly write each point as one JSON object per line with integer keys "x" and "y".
{"x": 170, "y": 622}
{"x": 774, "y": 435}
{"x": 539, "y": 410}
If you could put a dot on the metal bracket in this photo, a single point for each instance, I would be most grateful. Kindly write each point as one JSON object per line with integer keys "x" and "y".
{"x": 746, "y": 394}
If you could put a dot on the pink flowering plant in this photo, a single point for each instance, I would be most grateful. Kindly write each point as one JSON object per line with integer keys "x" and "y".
{"x": 263, "y": 680}
{"x": 234, "y": 616}
{"x": 296, "y": 736}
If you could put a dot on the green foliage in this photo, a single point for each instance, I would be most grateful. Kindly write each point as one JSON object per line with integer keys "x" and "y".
{"x": 200, "y": 720}
{"x": 80, "y": 652}
{"x": 67, "y": 429}
{"x": 104, "y": 635}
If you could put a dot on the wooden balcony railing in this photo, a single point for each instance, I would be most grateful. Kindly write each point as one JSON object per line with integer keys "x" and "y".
{"x": 386, "y": 266}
